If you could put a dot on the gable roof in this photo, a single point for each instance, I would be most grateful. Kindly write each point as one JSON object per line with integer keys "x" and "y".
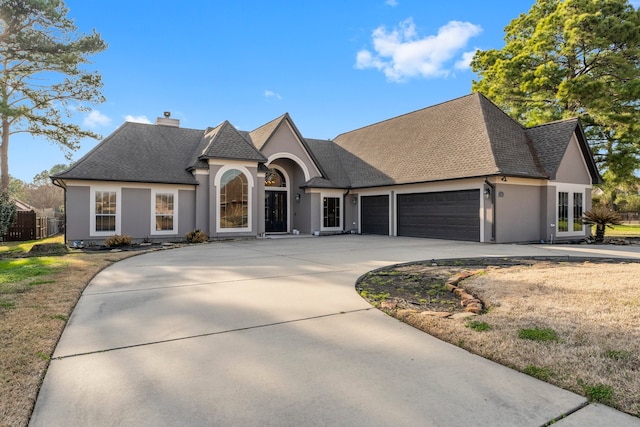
{"x": 138, "y": 152}
{"x": 261, "y": 136}
{"x": 225, "y": 142}
{"x": 551, "y": 141}
{"x": 465, "y": 137}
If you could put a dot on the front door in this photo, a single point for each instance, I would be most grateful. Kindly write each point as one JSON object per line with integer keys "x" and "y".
{"x": 275, "y": 215}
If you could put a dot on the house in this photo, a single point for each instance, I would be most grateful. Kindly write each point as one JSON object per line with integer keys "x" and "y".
{"x": 459, "y": 170}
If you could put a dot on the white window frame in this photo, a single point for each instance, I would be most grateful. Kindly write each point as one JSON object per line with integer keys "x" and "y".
{"x": 92, "y": 210}
{"x": 340, "y": 198}
{"x": 173, "y": 192}
{"x": 570, "y": 190}
{"x": 250, "y": 186}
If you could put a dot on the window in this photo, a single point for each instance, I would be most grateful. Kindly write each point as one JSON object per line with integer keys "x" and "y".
{"x": 105, "y": 211}
{"x": 563, "y": 211}
{"x": 164, "y": 214}
{"x": 234, "y": 200}
{"x": 577, "y": 212}
{"x": 274, "y": 178}
{"x": 105, "y": 208}
{"x": 331, "y": 212}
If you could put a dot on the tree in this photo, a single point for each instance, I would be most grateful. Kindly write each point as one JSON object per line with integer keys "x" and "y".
{"x": 43, "y": 177}
{"x": 573, "y": 58}
{"x": 602, "y": 217}
{"x": 43, "y": 76}
{"x": 8, "y": 213}
{"x": 17, "y": 188}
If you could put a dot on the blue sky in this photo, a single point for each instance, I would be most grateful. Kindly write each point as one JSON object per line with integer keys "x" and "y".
{"x": 332, "y": 65}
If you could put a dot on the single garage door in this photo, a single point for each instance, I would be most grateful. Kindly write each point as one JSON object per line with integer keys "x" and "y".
{"x": 374, "y": 215}
{"x": 453, "y": 215}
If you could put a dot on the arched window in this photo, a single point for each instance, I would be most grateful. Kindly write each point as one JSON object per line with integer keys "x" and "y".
{"x": 274, "y": 178}
{"x": 234, "y": 200}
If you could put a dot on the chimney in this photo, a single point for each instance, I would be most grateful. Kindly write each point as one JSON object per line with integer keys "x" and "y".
{"x": 167, "y": 120}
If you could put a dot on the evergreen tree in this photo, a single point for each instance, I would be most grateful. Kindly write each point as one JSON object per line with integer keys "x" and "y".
{"x": 43, "y": 75}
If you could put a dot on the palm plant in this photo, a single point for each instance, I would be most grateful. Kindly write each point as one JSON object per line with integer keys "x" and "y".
{"x": 601, "y": 217}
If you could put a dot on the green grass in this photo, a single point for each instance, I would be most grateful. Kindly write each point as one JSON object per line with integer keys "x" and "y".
{"x": 625, "y": 230}
{"x": 17, "y": 270}
{"x": 538, "y": 372}
{"x": 538, "y": 334}
{"x": 25, "y": 247}
{"x": 602, "y": 393}
{"x": 479, "y": 326}
{"x": 618, "y": 354}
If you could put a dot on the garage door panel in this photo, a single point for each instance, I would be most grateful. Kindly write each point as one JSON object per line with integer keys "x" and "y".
{"x": 442, "y": 215}
{"x": 375, "y": 214}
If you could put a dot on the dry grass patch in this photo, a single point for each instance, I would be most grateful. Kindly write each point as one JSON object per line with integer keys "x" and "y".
{"x": 591, "y": 311}
{"x": 33, "y": 312}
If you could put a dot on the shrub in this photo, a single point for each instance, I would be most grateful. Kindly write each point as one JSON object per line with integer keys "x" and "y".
{"x": 197, "y": 236}
{"x": 601, "y": 217}
{"x": 117, "y": 240}
{"x": 8, "y": 213}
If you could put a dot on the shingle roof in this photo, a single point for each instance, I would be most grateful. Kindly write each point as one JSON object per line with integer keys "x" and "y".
{"x": 225, "y": 142}
{"x": 337, "y": 162}
{"x": 261, "y": 135}
{"x": 465, "y": 137}
{"x": 551, "y": 141}
{"x": 139, "y": 153}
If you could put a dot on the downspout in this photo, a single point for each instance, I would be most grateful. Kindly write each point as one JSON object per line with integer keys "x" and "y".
{"x": 60, "y": 184}
{"x": 493, "y": 209}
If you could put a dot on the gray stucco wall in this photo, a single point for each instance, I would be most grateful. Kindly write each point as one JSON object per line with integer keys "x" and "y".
{"x": 186, "y": 212}
{"x": 202, "y": 195}
{"x": 572, "y": 168}
{"x": 136, "y": 212}
{"x": 516, "y": 208}
{"x": 314, "y": 215}
{"x": 284, "y": 141}
{"x": 77, "y": 213}
{"x": 350, "y": 212}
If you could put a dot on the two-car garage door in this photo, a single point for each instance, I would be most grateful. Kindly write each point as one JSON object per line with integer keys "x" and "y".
{"x": 453, "y": 215}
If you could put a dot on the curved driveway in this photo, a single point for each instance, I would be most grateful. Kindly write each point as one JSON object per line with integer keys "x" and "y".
{"x": 271, "y": 333}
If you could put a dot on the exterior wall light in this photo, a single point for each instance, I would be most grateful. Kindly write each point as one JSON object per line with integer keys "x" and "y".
{"x": 297, "y": 197}
{"x": 487, "y": 193}
{"x": 354, "y": 200}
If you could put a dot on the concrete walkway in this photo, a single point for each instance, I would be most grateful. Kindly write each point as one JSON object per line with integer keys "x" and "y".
{"x": 272, "y": 333}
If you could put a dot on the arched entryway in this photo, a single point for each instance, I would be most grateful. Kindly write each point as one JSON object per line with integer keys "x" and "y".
{"x": 276, "y": 195}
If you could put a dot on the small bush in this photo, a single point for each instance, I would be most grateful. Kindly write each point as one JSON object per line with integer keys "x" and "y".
{"x": 117, "y": 240}
{"x": 538, "y": 372}
{"x": 538, "y": 334}
{"x": 197, "y": 236}
{"x": 479, "y": 326}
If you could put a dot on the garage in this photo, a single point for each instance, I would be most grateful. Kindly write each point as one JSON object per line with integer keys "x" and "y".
{"x": 453, "y": 215}
{"x": 375, "y": 215}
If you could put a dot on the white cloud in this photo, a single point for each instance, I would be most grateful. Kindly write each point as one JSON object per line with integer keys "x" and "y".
{"x": 137, "y": 119}
{"x": 272, "y": 95}
{"x": 96, "y": 119}
{"x": 392, "y": 3}
{"x": 400, "y": 54}
{"x": 464, "y": 63}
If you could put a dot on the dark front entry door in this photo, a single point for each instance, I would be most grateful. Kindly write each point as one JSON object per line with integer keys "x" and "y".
{"x": 275, "y": 216}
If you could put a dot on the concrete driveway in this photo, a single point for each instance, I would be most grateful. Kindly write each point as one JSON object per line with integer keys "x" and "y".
{"x": 272, "y": 333}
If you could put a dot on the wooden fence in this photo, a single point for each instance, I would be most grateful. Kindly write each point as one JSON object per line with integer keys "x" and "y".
{"x": 28, "y": 226}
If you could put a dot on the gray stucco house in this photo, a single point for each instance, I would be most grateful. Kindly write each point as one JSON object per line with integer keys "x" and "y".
{"x": 459, "y": 170}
